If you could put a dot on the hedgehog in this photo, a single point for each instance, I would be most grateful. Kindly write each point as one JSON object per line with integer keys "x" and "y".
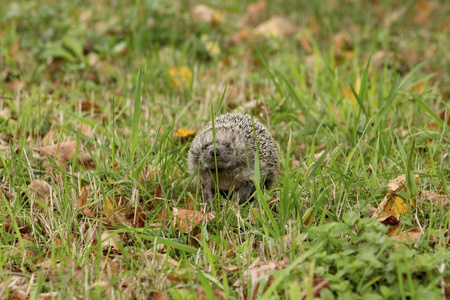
{"x": 230, "y": 161}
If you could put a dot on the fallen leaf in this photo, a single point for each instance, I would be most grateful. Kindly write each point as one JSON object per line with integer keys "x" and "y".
{"x": 445, "y": 115}
{"x": 186, "y": 220}
{"x": 276, "y": 27}
{"x": 6, "y": 223}
{"x": 40, "y": 191}
{"x": 306, "y": 45}
{"x": 348, "y": 92}
{"x": 157, "y": 296}
{"x": 103, "y": 285}
{"x": 108, "y": 208}
{"x": 181, "y": 77}
{"x": 319, "y": 284}
{"x": 445, "y": 283}
{"x": 410, "y": 235}
{"x": 258, "y": 269}
{"x": 254, "y": 12}
{"x": 437, "y": 199}
{"x": 19, "y": 295}
{"x": 54, "y": 269}
{"x": 423, "y": 10}
{"x": 14, "y": 50}
{"x": 343, "y": 46}
{"x": 418, "y": 87}
{"x": 254, "y": 212}
{"x": 65, "y": 151}
{"x": 82, "y": 201}
{"x": 109, "y": 267}
{"x": 396, "y": 206}
{"x": 389, "y": 220}
{"x": 48, "y": 296}
{"x": 399, "y": 183}
{"x": 204, "y": 14}
{"x": 110, "y": 241}
{"x": 48, "y": 137}
{"x": 230, "y": 268}
{"x": 163, "y": 214}
{"x": 183, "y": 134}
{"x": 218, "y": 294}
{"x": 87, "y": 106}
{"x": 158, "y": 259}
{"x": 212, "y": 47}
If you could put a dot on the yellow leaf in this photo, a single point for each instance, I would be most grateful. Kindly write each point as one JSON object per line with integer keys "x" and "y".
{"x": 181, "y": 77}
{"x": 396, "y": 206}
{"x": 419, "y": 87}
{"x": 348, "y": 93}
{"x": 213, "y": 48}
{"x": 276, "y": 27}
{"x": 108, "y": 209}
{"x": 184, "y": 134}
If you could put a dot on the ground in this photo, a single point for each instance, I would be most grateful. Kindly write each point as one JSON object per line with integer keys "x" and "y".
{"x": 99, "y": 101}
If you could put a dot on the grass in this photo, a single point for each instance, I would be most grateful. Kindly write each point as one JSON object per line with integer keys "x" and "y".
{"x": 357, "y": 97}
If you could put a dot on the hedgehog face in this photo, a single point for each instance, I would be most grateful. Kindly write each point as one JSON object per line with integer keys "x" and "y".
{"x": 226, "y": 153}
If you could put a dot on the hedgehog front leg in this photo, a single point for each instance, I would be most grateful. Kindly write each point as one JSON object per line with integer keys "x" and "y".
{"x": 207, "y": 187}
{"x": 245, "y": 191}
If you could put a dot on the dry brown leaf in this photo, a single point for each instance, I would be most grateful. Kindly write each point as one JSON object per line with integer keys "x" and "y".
{"x": 82, "y": 201}
{"x": 445, "y": 115}
{"x": 108, "y": 209}
{"x": 157, "y": 296}
{"x": 436, "y": 199}
{"x": 87, "y": 106}
{"x": 231, "y": 268}
{"x": 276, "y": 27}
{"x": 52, "y": 269}
{"x": 110, "y": 241}
{"x": 446, "y": 286}
{"x": 6, "y": 223}
{"x": 318, "y": 285}
{"x": 412, "y": 234}
{"x": 258, "y": 269}
{"x": 15, "y": 48}
{"x": 65, "y": 151}
{"x": 424, "y": 10}
{"x": 48, "y": 137}
{"x": 102, "y": 284}
{"x": 183, "y": 134}
{"x": 306, "y": 45}
{"x": 218, "y": 294}
{"x": 204, "y": 14}
{"x": 399, "y": 183}
{"x": 19, "y": 294}
{"x": 48, "y": 296}
{"x": 108, "y": 266}
{"x": 186, "y": 220}
{"x": 389, "y": 220}
{"x": 254, "y": 12}
{"x": 181, "y": 77}
{"x": 86, "y": 129}
{"x": 159, "y": 259}
{"x": 163, "y": 214}
{"x": 40, "y": 191}
{"x": 254, "y": 211}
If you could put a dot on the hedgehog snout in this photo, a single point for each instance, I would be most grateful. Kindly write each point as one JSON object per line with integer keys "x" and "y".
{"x": 212, "y": 152}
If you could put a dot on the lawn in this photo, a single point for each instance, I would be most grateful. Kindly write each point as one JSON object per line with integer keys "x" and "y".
{"x": 100, "y": 101}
